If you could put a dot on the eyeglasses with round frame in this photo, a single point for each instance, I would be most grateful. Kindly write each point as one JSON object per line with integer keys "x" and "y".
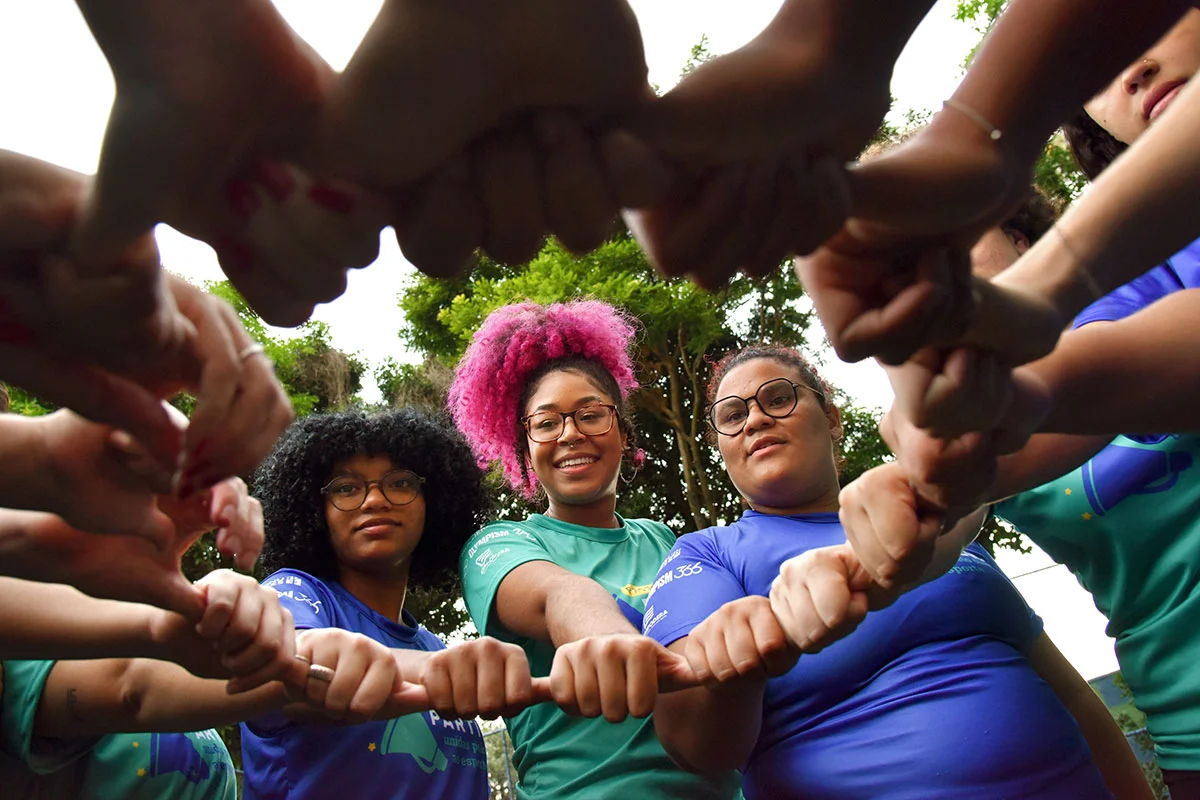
{"x": 348, "y": 492}
{"x": 595, "y": 419}
{"x": 777, "y": 403}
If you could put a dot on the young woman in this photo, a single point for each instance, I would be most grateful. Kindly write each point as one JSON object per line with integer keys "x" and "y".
{"x": 542, "y": 390}
{"x": 357, "y": 509}
{"x": 952, "y": 691}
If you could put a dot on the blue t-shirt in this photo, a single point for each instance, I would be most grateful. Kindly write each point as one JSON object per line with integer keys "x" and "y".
{"x": 933, "y": 697}
{"x": 418, "y": 755}
{"x": 1180, "y": 271}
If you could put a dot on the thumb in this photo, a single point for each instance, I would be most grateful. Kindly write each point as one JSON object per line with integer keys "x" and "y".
{"x": 406, "y": 698}
{"x": 170, "y": 590}
{"x": 675, "y": 673}
{"x": 541, "y": 691}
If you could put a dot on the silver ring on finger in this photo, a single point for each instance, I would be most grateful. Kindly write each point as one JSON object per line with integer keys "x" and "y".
{"x": 320, "y": 673}
{"x": 251, "y": 350}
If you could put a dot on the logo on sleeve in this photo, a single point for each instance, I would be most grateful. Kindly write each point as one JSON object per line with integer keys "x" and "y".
{"x": 629, "y": 590}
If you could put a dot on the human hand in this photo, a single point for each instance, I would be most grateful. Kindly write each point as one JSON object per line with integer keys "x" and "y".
{"x": 740, "y": 641}
{"x": 548, "y": 174}
{"x": 821, "y": 596}
{"x": 615, "y": 675}
{"x": 395, "y": 115}
{"x": 483, "y": 677}
{"x": 243, "y": 632}
{"x": 112, "y": 567}
{"x": 893, "y": 533}
{"x": 228, "y": 507}
{"x": 366, "y": 682}
{"x": 945, "y": 474}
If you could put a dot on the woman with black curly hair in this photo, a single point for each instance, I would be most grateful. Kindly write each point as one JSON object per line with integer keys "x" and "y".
{"x": 347, "y": 501}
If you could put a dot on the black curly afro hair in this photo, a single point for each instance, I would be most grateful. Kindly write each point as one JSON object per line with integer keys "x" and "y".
{"x": 289, "y": 482}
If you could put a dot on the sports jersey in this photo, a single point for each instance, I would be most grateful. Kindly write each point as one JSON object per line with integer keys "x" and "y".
{"x": 556, "y": 755}
{"x": 1127, "y": 524}
{"x": 417, "y": 755}
{"x": 119, "y": 766}
{"x": 933, "y": 697}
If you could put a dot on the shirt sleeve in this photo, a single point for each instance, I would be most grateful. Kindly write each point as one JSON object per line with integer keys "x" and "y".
{"x": 1127, "y": 300}
{"x": 24, "y": 682}
{"x": 305, "y": 596}
{"x": 693, "y": 582}
{"x": 486, "y": 560}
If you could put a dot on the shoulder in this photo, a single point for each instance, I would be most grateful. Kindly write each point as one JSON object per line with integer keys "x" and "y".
{"x": 499, "y": 531}
{"x": 653, "y": 529}
{"x": 281, "y": 580}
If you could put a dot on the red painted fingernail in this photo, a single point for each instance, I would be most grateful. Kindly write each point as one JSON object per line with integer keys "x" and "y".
{"x": 337, "y": 200}
{"x": 241, "y": 198}
{"x": 276, "y": 179}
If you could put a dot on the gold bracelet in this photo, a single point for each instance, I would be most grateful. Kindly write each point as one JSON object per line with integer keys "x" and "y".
{"x": 994, "y": 133}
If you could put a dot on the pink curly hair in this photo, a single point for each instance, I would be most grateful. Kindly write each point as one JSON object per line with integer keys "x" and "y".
{"x": 511, "y": 344}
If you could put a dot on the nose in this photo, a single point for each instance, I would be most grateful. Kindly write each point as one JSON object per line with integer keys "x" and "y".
{"x": 755, "y": 417}
{"x": 375, "y": 497}
{"x": 1138, "y": 75}
{"x": 570, "y": 433}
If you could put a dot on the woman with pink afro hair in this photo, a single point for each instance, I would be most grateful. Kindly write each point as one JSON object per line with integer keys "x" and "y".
{"x": 542, "y": 390}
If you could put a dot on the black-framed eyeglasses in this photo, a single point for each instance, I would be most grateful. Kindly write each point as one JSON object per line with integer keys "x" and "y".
{"x": 591, "y": 420}
{"x": 776, "y": 398}
{"x": 347, "y": 492}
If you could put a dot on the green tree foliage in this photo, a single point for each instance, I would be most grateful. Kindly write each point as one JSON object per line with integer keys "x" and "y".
{"x": 683, "y": 329}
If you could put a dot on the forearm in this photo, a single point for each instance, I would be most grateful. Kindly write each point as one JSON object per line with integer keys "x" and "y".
{"x": 25, "y": 464}
{"x": 1045, "y": 58}
{"x": 577, "y": 607}
{"x": 1112, "y": 754}
{"x": 52, "y": 621}
{"x": 1140, "y": 374}
{"x": 1047, "y": 456}
{"x": 93, "y": 698}
{"x": 871, "y": 34}
{"x": 710, "y": 731}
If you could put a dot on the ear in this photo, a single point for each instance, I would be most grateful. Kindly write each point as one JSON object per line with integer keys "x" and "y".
{"x": 1019, "y": 240}
{"x": 834, "y": 415}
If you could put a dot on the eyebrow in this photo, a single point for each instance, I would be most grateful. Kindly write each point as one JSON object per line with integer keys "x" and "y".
{"x": 583, "y": 401}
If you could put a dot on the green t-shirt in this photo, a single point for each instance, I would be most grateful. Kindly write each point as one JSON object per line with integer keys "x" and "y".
{"x": 1127, "y": 524}
{"x": 120, "y": 766}
{"x": 556, "y": 755}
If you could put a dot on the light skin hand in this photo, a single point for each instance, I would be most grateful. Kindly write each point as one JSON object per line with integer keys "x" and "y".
{"x": 821, "y": 596}
{"x": 740, "y": 641}
{"x": 616, "y": 676}
{"x": 484, "y": 677}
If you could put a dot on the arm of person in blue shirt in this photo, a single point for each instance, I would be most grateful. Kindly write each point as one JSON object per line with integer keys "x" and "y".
{"x": 1112, "y": 753}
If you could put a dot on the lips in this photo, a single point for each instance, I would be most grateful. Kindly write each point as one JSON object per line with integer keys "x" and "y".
{"x": 575, "y": 461}
{"x": 1159, "y": 98}
{"x": 377, "y": 522}
{"x": 762, "y": 443}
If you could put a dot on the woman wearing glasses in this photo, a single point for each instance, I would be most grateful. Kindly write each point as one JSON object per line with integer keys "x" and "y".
{"x": 542, "y": 390}
{"x": 952, "y": 691}
{"x": 357, "y": 509}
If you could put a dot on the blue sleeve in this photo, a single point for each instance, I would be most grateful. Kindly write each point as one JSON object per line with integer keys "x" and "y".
{"x": 1127, "y": 300}
{"x": 306, "y": 597}
{"x": 693, "y": 582}
{"x": 1031, "y": 626}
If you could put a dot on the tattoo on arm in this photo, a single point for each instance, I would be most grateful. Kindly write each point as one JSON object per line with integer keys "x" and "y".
{"x": 73, "y": 705}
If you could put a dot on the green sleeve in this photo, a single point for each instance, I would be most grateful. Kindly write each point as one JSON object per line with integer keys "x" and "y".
{"x": 23, "y": 685}
{"x": 487, "y": 559}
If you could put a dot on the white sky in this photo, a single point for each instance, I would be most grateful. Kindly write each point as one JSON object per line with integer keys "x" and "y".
{"x": 58, "y": 89}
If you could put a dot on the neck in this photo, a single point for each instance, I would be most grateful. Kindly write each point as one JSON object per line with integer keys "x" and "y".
{"x": 600, "y": 513}
{"x": 790, "y": 506}
{"x": 382, "y": 593}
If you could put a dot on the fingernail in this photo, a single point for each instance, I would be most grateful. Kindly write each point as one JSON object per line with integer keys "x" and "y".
{"x": 240, "y": 196}
{"x": 329, "y": 197}
{"x": 276, "y": 179}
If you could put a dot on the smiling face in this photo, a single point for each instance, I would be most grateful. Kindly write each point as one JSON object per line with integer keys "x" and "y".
{"x": 379, "y": 537}
{"x": 578, "y": 472}
{"x": 781, "y": 466}
{"x": 1144, "y": 90}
